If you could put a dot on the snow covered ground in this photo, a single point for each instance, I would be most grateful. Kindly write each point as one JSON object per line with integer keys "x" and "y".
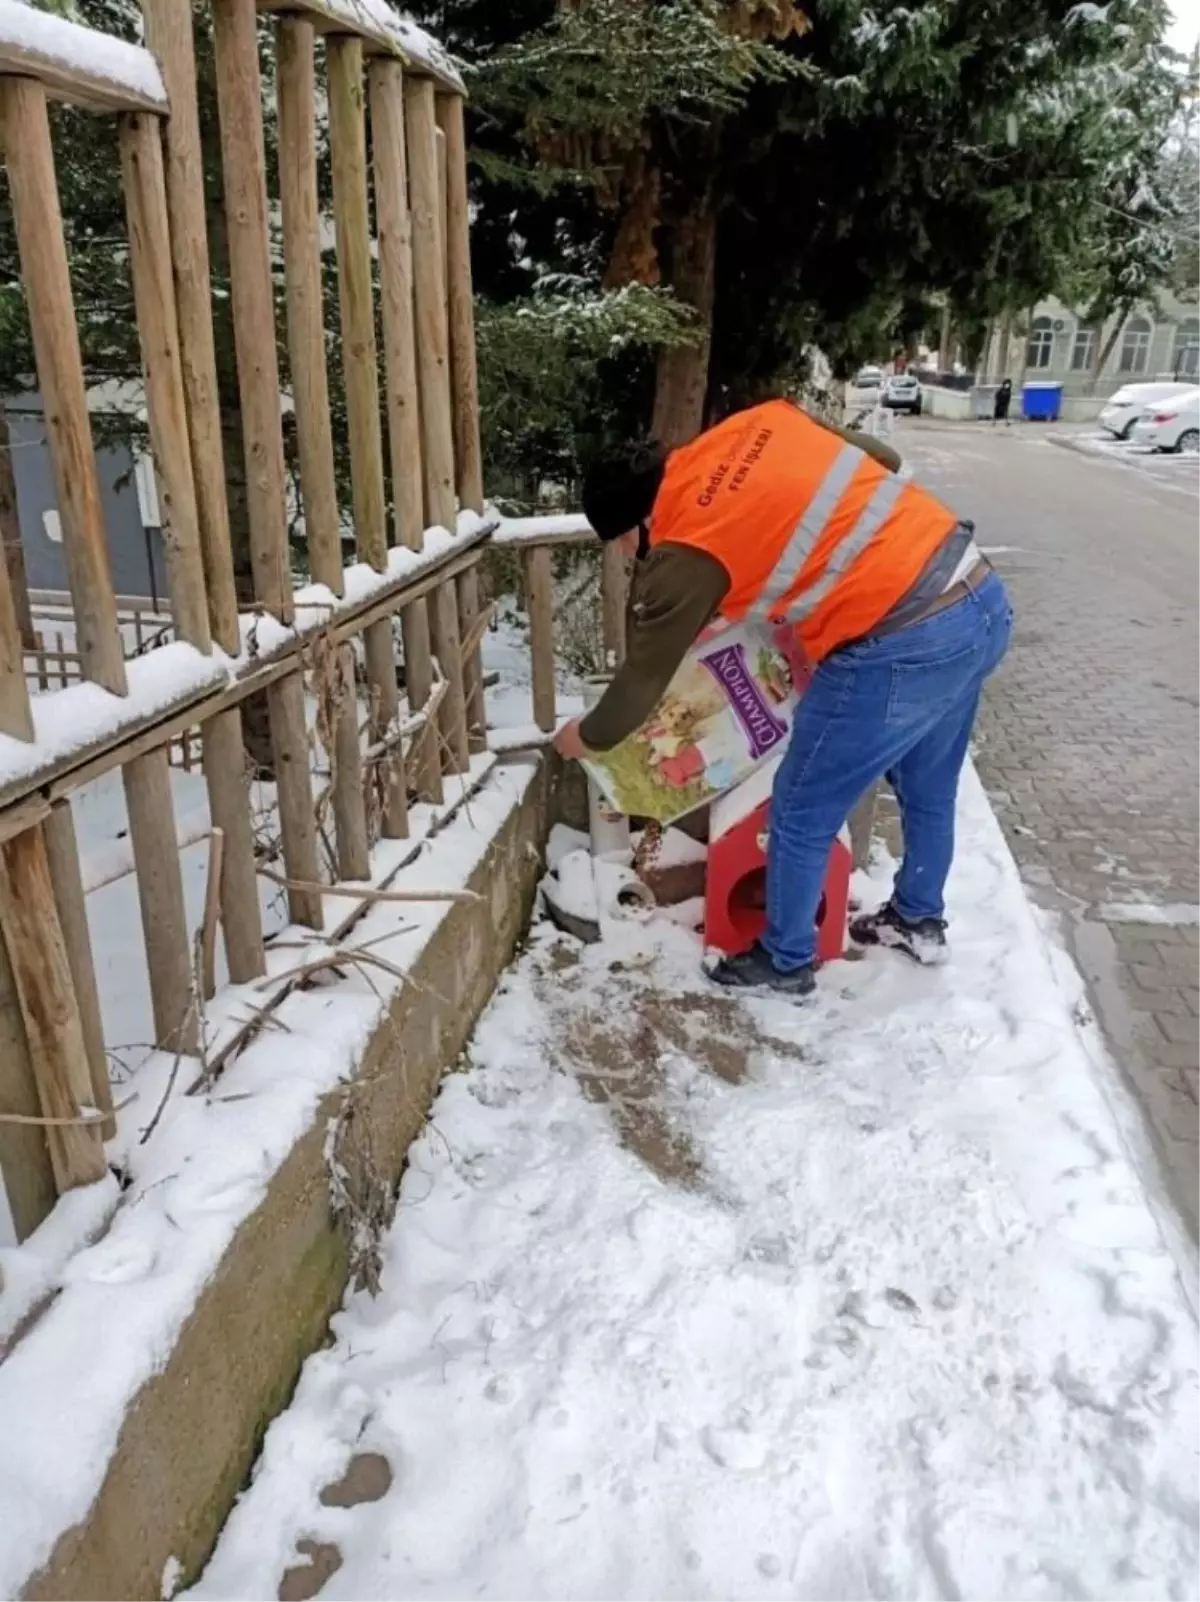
{"x": 693, "y": 1296}
{"x": 1175, "y": 471}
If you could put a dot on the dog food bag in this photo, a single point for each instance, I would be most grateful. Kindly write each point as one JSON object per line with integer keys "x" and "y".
{"x": 727, "y": 709}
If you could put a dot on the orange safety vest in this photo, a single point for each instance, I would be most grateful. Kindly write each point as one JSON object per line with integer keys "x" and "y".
{"x": 810, "y": 529}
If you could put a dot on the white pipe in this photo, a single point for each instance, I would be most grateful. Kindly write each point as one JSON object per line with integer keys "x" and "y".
{"x": 609, "y": 829}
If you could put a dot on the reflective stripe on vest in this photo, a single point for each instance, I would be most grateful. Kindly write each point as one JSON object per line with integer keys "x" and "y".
{"x": 803, "y": 538}
{"x": 808, "y": 530}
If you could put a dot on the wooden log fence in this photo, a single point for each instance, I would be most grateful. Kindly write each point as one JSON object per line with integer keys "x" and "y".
{"x": 409, "y": 112}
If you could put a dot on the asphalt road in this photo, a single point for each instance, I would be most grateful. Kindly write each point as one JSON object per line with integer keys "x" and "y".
{"x": 1088, "y": 738}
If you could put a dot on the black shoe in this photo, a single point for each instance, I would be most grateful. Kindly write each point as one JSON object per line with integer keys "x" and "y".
{"x": 922, "y": 939}
{"x": 754, "y": 970}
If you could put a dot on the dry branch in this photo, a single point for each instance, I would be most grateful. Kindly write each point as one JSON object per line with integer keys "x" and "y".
{"x": 365, "y": 893}
{"x": 212, "y": 903}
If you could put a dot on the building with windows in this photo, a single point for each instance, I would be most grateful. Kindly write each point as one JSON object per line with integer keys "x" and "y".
{"x": 1160, "y": 341}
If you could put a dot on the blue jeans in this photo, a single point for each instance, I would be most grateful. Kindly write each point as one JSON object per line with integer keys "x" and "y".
{"x": 902, "y": 706}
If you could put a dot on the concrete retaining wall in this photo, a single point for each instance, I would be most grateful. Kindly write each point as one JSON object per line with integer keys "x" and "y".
{"x": 1082, "y": 408}
{"x": 950, "y": 403}
{"x": 955, "y": 404}
{"x": 194, "y": 1430}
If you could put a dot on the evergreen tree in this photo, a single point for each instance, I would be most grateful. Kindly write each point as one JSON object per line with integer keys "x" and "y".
{"x": 809, "y": 177}
{"x": 1181, "y": 180}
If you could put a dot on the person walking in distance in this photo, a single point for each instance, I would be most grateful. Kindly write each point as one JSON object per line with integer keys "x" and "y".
{"x": 776, "y": 515}
{"x": 1001, "y": 404}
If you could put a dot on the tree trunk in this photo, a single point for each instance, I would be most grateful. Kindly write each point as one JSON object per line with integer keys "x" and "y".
{"x": 10, "y": 535}
{"x": 945, "y": 346}
{"x": 682, "y": 378}
{"x": 1025, "y": 353}
{"x": 1002, "y": 347}
{"x": 1103, "y": 352}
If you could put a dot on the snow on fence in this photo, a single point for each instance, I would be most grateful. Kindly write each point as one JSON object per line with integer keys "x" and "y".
{"x": 77, "y": 64}
{"x": 55, "y": 1096}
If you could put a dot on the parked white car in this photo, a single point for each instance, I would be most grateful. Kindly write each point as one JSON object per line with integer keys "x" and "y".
{"x": 902, "y": 393}
{"x": 1135, "y": 401}
{"x": 1172, "y": 425}
{"x": 867, "y": 381}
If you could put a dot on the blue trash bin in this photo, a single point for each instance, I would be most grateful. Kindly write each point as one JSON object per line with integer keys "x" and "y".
{"x": 1041, "y": 402}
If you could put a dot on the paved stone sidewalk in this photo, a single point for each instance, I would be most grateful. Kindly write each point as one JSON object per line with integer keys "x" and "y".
{"x": 1088, "y": 739}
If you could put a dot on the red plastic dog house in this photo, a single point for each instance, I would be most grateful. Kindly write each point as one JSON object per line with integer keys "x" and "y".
{"x": 735, "y": 912}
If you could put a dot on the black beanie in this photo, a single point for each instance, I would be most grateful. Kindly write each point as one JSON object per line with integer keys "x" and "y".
{"x": 619, "y": 487}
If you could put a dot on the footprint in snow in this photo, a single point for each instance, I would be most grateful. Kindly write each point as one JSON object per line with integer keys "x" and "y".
{"x": 901, "y": 1301}
{"x": 499, "y": 1389}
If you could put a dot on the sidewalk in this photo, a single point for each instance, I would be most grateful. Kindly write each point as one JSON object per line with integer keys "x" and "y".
{"x": 691, "y": 1296}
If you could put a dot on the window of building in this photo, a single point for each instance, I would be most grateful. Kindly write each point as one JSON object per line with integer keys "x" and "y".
{"x": 1187, "y": 348}
{"x": 1041, "y": 343}
{"x": 1083, "y": 351}
{"x": 1135, "y": 346}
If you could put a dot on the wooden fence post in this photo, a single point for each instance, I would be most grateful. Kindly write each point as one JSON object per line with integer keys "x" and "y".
{"x": 147, "y": 785}
{"x": 296, "y": 101}
{"x": 34, "y": 190}
{"x": 614, "y": 592}
{"x": 157, "y": 323}
{"x": 43, "y": 982}
{"x": 539, "y": 587}
{"x": 468, "y": 461}
{"x": 169, "y": 35}
{"x": 310, "y": 388}
{"x": 348, "y": 151}
{"x": 394, "y": 230}
{"x": 386, "y": 82}
{"x": 433, "y": 368}
{"x": 26, "y": 1171}
{"x": 49, "y": 1050}
{"x": 44, "y": 1064}
{"x": 239, "y": 100}
{"x": 360, "y": 366}
{"x": 62, "y": 857}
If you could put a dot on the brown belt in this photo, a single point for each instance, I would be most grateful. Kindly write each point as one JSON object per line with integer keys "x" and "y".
{"x": 951, "y": 597}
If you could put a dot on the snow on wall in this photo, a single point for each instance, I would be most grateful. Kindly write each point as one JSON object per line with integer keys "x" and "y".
{"x": 122, "y": 1301}
{"x": 78, "y": 49}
